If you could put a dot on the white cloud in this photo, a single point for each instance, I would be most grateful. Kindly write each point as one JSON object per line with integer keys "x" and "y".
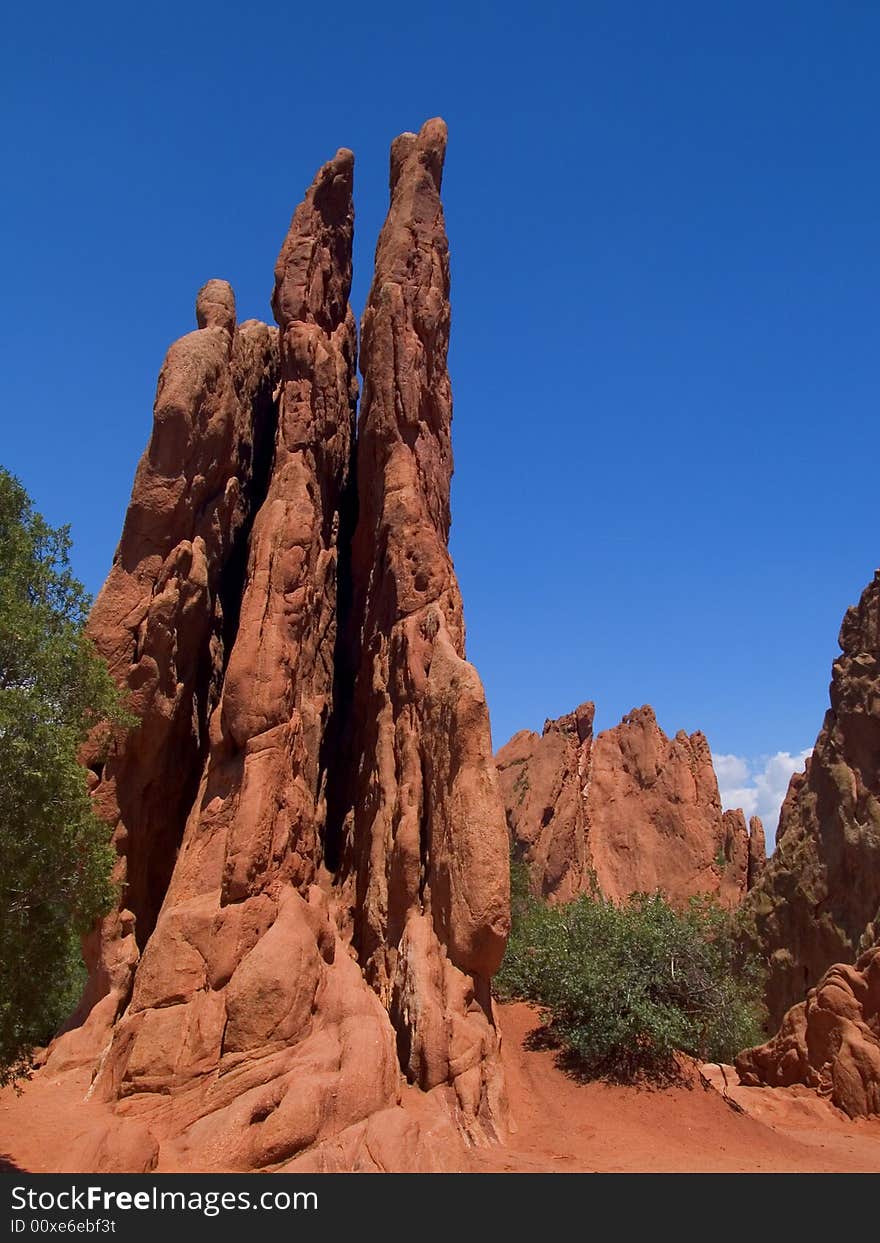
{"x": 758, "y": 784}
{"x": 730, "y": 770}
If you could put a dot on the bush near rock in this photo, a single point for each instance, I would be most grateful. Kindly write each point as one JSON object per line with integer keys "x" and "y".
{"x": 624, "y": 987}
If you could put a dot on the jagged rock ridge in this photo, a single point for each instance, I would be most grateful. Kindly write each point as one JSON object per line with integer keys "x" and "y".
{"x": 629, "y": 807}
{"x": 310, "y": 833}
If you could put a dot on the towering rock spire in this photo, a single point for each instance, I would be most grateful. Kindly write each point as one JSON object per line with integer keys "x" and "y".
{"x": 428, "y": 846}
{"x": 818, "y": 899}
{"x": 318, "y": 875}
{"x": 246, "y": 1005}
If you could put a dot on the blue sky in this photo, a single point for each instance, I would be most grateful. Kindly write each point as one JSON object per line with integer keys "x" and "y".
{"x": 664, "y": 231}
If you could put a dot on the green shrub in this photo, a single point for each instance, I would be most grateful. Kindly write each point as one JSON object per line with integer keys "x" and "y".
{"x": 55, "y": 856}
{"x": 621, "y": 987}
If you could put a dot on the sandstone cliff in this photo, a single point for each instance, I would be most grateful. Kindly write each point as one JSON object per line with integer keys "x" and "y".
{"x": 637, "y": 810}
{"x": 818, "y": 900}
{"x": 310, "y": 834}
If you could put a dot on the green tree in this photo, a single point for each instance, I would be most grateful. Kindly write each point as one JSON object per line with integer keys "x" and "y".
{"x": 55, "y": 857}
{"x": 623, "y": 986}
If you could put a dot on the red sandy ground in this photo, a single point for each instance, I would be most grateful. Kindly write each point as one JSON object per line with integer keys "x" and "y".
{"x": 560, "y": 1124}
{"x": 569, "y": 1126}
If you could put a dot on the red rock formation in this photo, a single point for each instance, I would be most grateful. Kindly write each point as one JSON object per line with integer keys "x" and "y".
{"x": 428, "y": 847}
{"x": 830, "y": 1042}
{"x": 311, "y": 732}
{"x": 818, "y": 899}
{"x": 226, "y": 998}
{"x": 637, "y": 809}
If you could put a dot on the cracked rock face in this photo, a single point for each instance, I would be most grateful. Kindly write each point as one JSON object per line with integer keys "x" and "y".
{"x": 818, "y": 899}
{"x": 637, "y": 810}
{"x": 310, "y": 835}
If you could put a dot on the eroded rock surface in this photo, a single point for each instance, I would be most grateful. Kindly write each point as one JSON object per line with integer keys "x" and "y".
{"x": 830, "y": 1042}
{"x": 818, "y": 899}
{"x": 310, "y": 833}
{"x": 631, "y": 807}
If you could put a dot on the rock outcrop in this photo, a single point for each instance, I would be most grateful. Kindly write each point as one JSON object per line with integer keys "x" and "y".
{"x": 630, "y": 807}
{"x": 830, "y": 1042}
{"x": 818, "y": 899}
{"x": 310, "y": 833}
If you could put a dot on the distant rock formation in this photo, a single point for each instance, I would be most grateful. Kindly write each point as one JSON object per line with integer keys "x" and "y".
{"x": 830, "y": 1042}
{"x": 637, "y": 810}
{"x": 310, "y": 833}
{"x": 732, "y": 861}
{"x": 818, "y": 899}
{"x": 543, "y": 779}
{"x": 757, "y": 851}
